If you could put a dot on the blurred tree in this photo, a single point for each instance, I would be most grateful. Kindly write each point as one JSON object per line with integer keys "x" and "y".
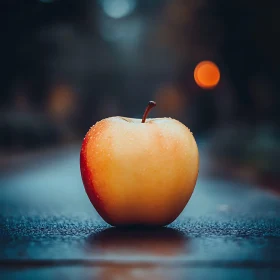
{"x": 49, "y": 45}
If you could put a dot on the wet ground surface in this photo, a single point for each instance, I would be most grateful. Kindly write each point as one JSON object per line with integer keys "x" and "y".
{"x": 49, "y": 230}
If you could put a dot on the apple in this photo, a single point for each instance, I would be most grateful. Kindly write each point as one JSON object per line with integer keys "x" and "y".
{"x": 139, "y": 172}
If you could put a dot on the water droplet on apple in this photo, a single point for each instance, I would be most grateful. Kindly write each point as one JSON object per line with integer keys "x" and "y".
{"x": 144, "y": 169}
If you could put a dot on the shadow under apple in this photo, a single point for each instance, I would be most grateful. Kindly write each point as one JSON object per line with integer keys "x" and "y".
{"x": 136, "y": 242}
{"x": 137, "y": 253}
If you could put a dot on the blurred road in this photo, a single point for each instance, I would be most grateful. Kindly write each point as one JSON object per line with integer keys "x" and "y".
{"x": 49, "y": 229}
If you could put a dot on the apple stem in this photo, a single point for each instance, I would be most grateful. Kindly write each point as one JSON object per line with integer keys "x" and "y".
{"x": 151, "y": 105}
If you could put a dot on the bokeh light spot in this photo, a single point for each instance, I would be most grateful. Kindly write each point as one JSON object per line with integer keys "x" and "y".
{"x": 46, "y": 1}
{"x": 118, "y": 8}
{"x": 207, "y": 74}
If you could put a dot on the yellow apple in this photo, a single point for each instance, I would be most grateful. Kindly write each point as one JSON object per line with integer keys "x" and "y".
{"x": 139, "y": 172}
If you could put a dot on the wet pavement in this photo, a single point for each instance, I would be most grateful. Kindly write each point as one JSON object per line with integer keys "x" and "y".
{"x": 49, "y": 230}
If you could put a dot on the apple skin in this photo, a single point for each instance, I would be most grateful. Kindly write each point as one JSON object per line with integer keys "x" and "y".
{"x": 139, "y": 173}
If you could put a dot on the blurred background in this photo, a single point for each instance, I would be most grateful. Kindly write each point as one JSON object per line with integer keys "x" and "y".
{"x": 67, "y": 64}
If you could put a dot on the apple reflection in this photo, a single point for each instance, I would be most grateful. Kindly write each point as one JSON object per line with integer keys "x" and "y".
{"x": 139, "y": 273}
{"x": 137, "y": 253}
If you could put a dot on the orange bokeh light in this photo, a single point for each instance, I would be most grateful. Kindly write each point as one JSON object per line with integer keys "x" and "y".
{"x": 207, "y": 74}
